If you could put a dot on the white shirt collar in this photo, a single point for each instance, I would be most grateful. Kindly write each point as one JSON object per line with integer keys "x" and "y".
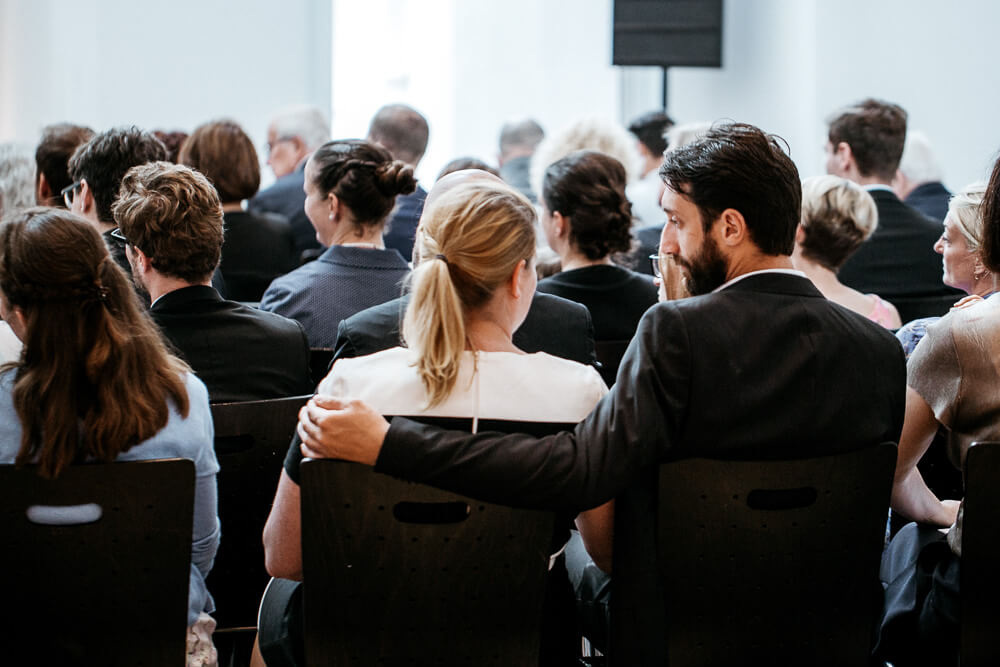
{"x": 878, "y": 186}
{"x": 791, "y": 272}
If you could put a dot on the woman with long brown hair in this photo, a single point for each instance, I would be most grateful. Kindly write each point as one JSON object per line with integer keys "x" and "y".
{"x": 94, "y": 381}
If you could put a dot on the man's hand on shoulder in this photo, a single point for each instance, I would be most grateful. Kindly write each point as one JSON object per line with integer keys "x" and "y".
{"x": 333, "y": 428}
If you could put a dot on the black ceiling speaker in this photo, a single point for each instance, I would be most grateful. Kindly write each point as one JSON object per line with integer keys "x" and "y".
{"x": 667, "y": 33}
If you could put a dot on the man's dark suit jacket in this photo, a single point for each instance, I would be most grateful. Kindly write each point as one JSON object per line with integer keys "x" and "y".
{"x": 402, "y": 225}
{"x": 258, "y": 248}
{"x": 240, "y": 353}
{"x": 898, "y": 261}
{"x": 766, "y": 368}
{"x": 287, "y": 198}
{"x": 931, "y": 199}
{"x": 554, "y": 325}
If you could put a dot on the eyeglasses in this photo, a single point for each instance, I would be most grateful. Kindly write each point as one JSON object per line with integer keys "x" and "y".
{"x": 69, "y": 192}
{"x": 117, "y": 233}
{"x": 655, "y": 261}
{"x": 269, "y": 146}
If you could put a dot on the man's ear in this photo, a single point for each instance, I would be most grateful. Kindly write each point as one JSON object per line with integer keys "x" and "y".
{"x": 845, "y": 156}
{"x": 87, "y": 202}
{"x": 138, "y": 259}
{"x": 732, "y": 228}
{"x": 43, "y": 191}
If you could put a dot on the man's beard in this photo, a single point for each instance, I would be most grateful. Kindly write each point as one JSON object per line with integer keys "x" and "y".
{"x": 705, "y": 271}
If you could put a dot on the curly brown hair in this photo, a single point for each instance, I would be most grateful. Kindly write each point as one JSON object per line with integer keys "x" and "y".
{"x": 172, "y": 213}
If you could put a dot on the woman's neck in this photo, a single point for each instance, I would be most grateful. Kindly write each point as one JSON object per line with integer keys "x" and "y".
{"x": 232, "y": 207}
{"x": 371, "y": 237}
{"x": 488, "y": 334}
{"x": 985, "y": 286}
{"x": 572, "y": 259}
{"x": 823, "y": 278}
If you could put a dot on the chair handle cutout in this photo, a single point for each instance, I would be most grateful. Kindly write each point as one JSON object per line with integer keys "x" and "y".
{"x": 781, "y": 499}
{"x": 450, "y": 512}
{"x": 64, "y": 515}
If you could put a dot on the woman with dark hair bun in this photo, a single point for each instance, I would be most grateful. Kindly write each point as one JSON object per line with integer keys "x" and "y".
{"x": 587, "y": 218}
{"x": 351, "y": 187}
{"x": 95, "y": 381}
{"x": 259, "y": 247}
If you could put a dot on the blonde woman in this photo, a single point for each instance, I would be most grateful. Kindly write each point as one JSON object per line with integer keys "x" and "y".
{"x": 837, "y": 217}
{"x": 470, "y": 292}
{"x": 960, "y": 247}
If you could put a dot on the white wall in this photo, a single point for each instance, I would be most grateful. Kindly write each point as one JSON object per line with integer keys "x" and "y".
{"x": 469, "y": 65}
{"x": 788, "y": 64}
{"x": 167, "y": 65}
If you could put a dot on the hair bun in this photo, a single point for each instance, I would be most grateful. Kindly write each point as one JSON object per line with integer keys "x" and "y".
{"x": 395, "y": 178}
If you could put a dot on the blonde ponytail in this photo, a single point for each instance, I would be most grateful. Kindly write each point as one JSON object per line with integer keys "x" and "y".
{"x": 434, "y": 326}
{"x": 471, "y": 238}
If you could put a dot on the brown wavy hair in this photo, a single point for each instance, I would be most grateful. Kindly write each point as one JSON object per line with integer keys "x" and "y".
{"x": 94, "y": 378}
{"x": 225, "y": 154}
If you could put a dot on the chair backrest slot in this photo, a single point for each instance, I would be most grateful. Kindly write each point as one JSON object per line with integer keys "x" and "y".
{"x": 64, "y": 515}
{"x": 431, "y": 513}
{"x": 781, "y": 499}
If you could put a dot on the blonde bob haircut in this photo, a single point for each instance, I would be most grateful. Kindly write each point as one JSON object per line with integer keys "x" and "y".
{"x": 470, "y": 241}
{"x": 965, "y": 210}
{"x": 838, "y": 215}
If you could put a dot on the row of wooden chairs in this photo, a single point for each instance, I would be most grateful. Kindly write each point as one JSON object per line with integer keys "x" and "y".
{"x": 769, "y": 561}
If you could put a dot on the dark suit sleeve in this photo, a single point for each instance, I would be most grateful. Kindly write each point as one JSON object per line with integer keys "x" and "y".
{"x": 634, "y": 425}
{"x": 344, "y": 347}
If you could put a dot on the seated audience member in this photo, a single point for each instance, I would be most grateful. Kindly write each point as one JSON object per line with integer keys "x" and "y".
{"x": 918, "y": 178}
{"x": 470, "y": 293}
{"x": 463, "y": 163}
{"x": 648, "y": 236}
{"x": 702, "y": 377}
{"x": 173, "y": 140}
{"x": 837, "y": 217}
{"x": 403, "y": 132}
{"x": 865, "y": 143}
{"x": 518, "y": 141}
{"x": 52, "y": 161}
{"x": 586, "y": 134}
{"x": 96, "y": 382}
{"x": 351, "y": 187}
{"x": 258, "y": 247}
{"x": 97, "y": 168}
{"x": 586, "y": 218}
{"x": 951, "y": 382}
{"x": 960, "y": 247}
{"x": 17, "y": 179}
{"x": 172, "y": 220}
{"x": 292, "y": 136}
{"x": 554, "y": 325}
{"x": 650, "y": 131}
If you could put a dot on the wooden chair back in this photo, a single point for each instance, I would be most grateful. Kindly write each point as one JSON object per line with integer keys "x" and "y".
{"x": 398, "y": 573}
{"x": 980, "y": 577}
{"x": 97, "y": 563}
{"x": 773, "y": 562}
{"x": 251, "y": 440}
